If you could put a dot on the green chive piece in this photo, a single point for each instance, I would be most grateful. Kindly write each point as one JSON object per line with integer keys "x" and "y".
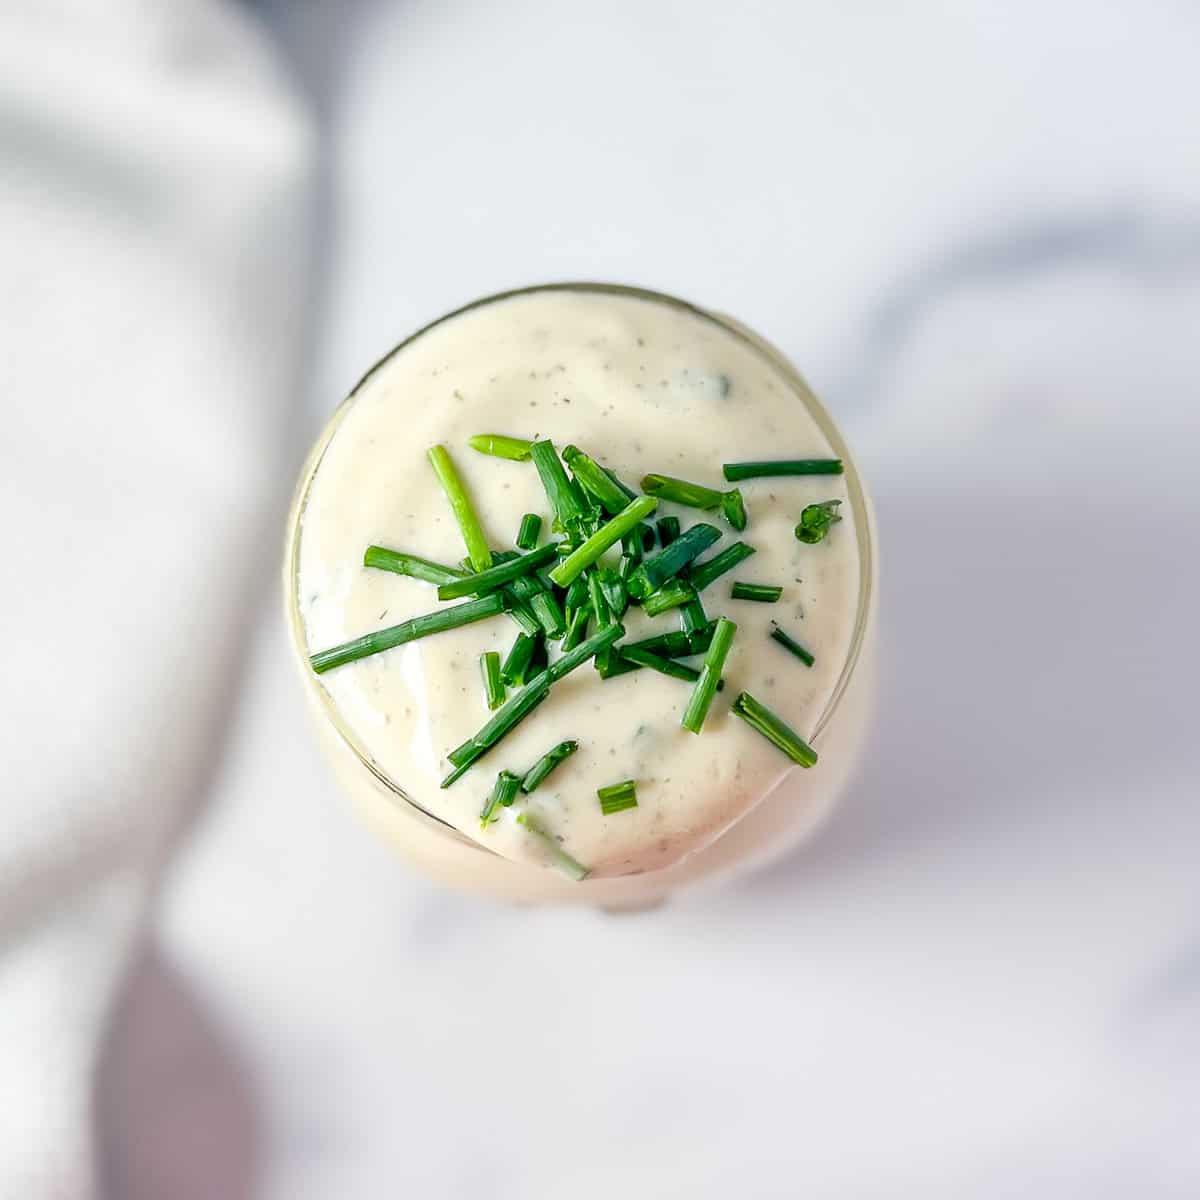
{"x": 518, "y": 707}
{"x": 577, "y": 594}
{"x": 617, "y": 797}
{"x": 710, "y": 675}
{"x": 649, "y": 540}
{"x": 664, "y": 666}
{"x": 530, "y": 531}
{"x": 566, "y": 502}
{"x": 628, "y": 492}
{"x": 733, "y": 507}
{"x": 791, "y": 645}
{"x": 763, "y": 593}
{"x": 601, "y": 609}
{"x": 541, "y": 658}
{"x": 677, "y": 644}
{"x": 671, "y": 595}
{"x": 631, "y": 545}
{"x": 497, "y": 576}
{"x": 696, "y": 495}
{"x": 614, "y": 664}
{"x": 816, "y": 519}
{"x": 760, "y": 717}
{"x": 595, "y": 480}
{"x": 666, "y": 564}
{"x": 407, "y": 631}
{"x": 668, "y": 530}
{"x": 692, "y": 620}
{"x": 460, "y": 505}
{"x": 576, "y": 628}
{"x": 588, "y": 647}
{"x": 520, "y": 612}
{"x": 514, "y": 710}
{"x": 411, "y": 565}
{"x": 499, "y": 446}
{"x": 544, "y": 765}
{"x": 792, "y": 466}
{"x": 493, "y": 685}
{"x": 607, "y": 535}
{"x": 702, "y": 574}
{"x": 516, "y": 664}
{"x": 504, "y": 792}
{"x": 558, "y": 856}
{"x": 549, "y": 613}
{"x": 679, "y": 491}
{"x": 616, "y": 594}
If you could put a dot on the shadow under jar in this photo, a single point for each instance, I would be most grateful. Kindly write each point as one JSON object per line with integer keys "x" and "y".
{"x": 642, "y": 384}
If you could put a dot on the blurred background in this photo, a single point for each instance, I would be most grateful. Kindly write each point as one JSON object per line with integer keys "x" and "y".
{"x": 976, "y": 228}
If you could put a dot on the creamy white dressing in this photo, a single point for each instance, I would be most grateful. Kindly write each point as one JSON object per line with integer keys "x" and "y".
{"x": 643, "y": 386}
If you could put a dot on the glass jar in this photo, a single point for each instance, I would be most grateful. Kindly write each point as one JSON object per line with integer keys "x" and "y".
{"x": 777, "y": 823}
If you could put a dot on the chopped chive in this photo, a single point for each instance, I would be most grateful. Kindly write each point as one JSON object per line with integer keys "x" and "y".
{"x": 790, "y": 644}
{"x": 542, "y": 603}
{"x": 581, "y": 653}
{"x": 631, "y": 551}
{"x": 411, "y": 565}
{"x": 666, "y": 564}
{"x": 710, "y": 675}
{"x": 565, "y": 500}
{"x": 493, "y": 685}
{"x": 615, "y": 664}
{"x": 692, "y": 620}
{"x": 677, "y": 644}
{"x": 762, "y": 592}
{"x": 702, "y": 574}
{"x": 679, "y": 491}
{"x": 617, "y": 797}
{"x": 518, "y": 707}
{"x": 460, "y": 505}
{"x": 500, "y": 446}
{"x": 696, "y": 495}
{"x": 577, "y": 594}
{"x": 504, "y": 792}
{"x": 733, "y": 507}
{"x": 607, "y": 535}
{"x": 816, "y": 519}
{"x": 760, "y": 717}
{"x": 664, "y": 666}
{"x": 530, "y": 531}
{"x": 549, "y": 613}
{"x": 540, "y": 660}
{"x": 595, "y": 480}
{"x": 515, "y": 710}
{"x": 558, "y": 856}
{"x": 544, "y": 765}
{"x": 576, "y": 628}
{"x": 628, "y": 492}
{"x": 616, "y": 594}
{"x": 672, "y": 594}
{"x": 601, "y": 609}
{"x": 520, "y": 612}
{"x": 668, "y": 530}
{"x": 516, "y": 665}
{"x": 497, "y": 576}
{"x": 649, "y": 540}
{"x": 792, "y": 466}
{"x": 407, "y": 631}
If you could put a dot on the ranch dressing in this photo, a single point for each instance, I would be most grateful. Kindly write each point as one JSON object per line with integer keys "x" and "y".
{"x": 642, "y": 385}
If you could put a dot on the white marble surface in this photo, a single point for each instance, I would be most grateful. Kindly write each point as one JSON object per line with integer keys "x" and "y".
{"x": 977, "y": 228}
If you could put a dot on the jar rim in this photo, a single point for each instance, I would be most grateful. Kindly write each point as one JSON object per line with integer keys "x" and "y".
{"x": 859, "y": 505}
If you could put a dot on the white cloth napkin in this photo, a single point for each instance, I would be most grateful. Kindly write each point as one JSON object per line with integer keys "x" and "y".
{"x": 154, "y": 175}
